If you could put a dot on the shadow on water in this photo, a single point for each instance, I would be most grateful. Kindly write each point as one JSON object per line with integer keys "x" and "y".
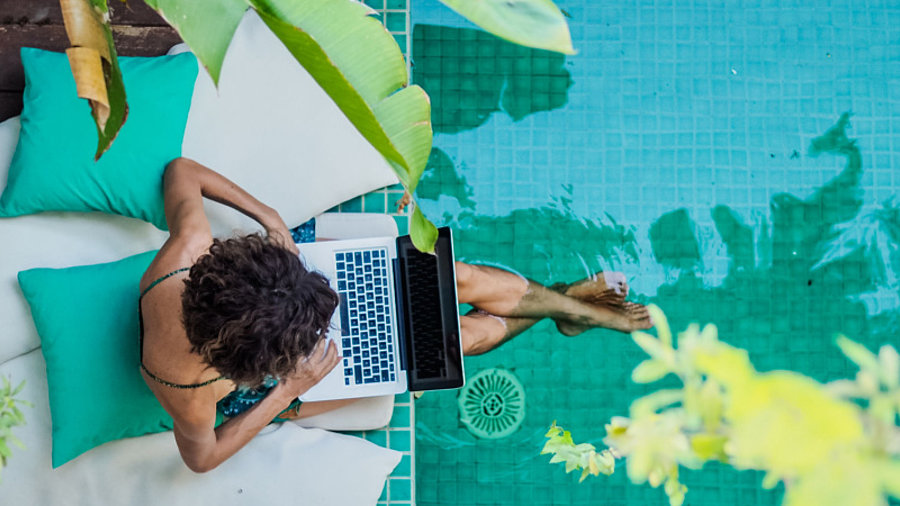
{"x": 528, "y": 240}
{"x": 470, "y": 74}
{"x": 442, "y": 178}
{"x": 673, "y": 242}
{"x": 785, "y": 297}
{"x": 791, "y": 284}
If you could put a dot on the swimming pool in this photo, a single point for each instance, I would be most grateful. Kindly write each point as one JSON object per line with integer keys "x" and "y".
{"x": 676, "y": 147}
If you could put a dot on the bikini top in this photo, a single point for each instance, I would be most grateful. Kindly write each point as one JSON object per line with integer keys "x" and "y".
{"x": 141, "y": 320}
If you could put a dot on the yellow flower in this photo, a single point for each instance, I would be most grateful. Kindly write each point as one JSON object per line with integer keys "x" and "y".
{"x": 849, "y": 479}
{"x": 781, "y": 421}
{"x": 582, "y": 456}
{"x": 654, "y": 445}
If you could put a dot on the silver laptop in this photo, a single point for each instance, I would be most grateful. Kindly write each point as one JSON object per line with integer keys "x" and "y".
{"x": 397, "y": 322}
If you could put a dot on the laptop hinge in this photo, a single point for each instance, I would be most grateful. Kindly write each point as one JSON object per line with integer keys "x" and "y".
{"x": 400, "y": 304}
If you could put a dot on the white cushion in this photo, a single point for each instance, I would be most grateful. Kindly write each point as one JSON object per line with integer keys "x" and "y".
{"x": 368, "y": 413}
{"x": 283, "y": 464}
{"x": 270, "y": 117}
{"x": 354, "y": 225}
{"x": 9, "y": 137}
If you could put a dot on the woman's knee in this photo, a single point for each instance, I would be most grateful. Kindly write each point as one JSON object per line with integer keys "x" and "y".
{"x": 474, "y": 344}
{"x": 472, "y": 335}
{"x": 464, "y": 273}
{"x": 481, "y": 332}
{"x": 465, "y": 282}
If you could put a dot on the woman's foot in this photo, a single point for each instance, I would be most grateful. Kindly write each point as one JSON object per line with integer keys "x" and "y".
{"x": 626, "y": 318}
{"x": 607, "y": 290}
{"x": 599, "y": 288}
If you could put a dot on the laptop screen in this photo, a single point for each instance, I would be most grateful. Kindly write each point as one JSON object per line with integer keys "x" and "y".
{"x": 430, "y": 314}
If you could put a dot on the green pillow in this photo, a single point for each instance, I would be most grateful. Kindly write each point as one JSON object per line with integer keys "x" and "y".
{"x": 87, "y": 318}
{"x": 53, "y": 168}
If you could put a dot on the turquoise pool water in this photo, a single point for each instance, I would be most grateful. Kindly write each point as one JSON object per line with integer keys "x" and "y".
{"x": 739, "y": 161}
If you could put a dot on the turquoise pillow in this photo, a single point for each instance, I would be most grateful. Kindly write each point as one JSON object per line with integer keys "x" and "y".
{"x": 87, "y": 318}
{"x": 53, "y": 168}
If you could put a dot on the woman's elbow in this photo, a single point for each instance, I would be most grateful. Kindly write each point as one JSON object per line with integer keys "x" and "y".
{"x": 182, "y": 170}
{"x": 199, "y": 466}
{"x": 199, "y": 460}
{"x": 177, "y": 165}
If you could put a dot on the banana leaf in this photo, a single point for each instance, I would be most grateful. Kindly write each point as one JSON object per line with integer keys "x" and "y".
{"x": 206, "y": 26}
{"x": 346, "y": 50}
{"x": 533, "y": 23}
{"x": 92, "y": 56}
{"x": 352, "y": 57}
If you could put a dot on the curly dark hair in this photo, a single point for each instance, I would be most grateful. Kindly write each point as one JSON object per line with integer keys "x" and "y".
{"x": 252, "y": 309}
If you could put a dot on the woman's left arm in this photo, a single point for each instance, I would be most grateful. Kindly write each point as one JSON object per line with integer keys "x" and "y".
{"x": 217, "y": 187}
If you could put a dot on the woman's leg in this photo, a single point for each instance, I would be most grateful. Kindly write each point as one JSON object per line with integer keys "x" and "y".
{"x": 482, "y": 332}
{"x": 519, "y": 303}
{"x": 503, "y": 293}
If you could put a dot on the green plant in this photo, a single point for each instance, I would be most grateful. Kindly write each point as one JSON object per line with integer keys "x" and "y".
{"x": 10, "y": 416}
{"x": 833, "y": 444}
{"x": 348, "y": 52}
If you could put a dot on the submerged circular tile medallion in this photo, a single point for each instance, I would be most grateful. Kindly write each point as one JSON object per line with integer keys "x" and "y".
{"x": 492, "y": 404}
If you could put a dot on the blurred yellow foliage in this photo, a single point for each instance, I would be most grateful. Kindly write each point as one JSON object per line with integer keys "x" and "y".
{"x": 826, "y": 449}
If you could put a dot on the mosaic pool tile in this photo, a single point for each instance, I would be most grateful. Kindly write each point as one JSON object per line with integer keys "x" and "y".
{"x": 675, "y": 147}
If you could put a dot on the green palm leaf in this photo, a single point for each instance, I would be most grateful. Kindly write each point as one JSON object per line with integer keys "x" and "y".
{"x": 206, "y": 26}
{"x": 352, "y": 57}
{"x": 533, "y": 23}
{"x": 346, "y": 50}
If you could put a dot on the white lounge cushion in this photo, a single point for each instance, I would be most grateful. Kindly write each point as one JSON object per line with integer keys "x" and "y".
{"x": 355, "y": 225}
{"x": 284, "y": 464}
{"x": 9, "y": 137}
{"x": 271, "y": 129}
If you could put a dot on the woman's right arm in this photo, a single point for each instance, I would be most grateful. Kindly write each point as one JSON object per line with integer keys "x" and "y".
{"x": 185, "y": 184}
{"x": 187, "y": 181}
{"x": 204, "y": 447}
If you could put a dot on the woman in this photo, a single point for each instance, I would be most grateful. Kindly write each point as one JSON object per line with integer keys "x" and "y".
{"x": 238, "y": 326}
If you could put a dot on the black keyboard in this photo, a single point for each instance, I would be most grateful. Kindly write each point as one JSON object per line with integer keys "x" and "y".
{"x": 425, "y": 315}
{"x": 366, "y": 343}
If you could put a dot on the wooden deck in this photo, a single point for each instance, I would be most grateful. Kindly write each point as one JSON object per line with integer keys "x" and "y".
{"x": 137, "y": 30}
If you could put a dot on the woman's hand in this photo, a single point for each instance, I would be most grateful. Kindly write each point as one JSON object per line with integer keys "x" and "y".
{"x": 310, "y": 370}
{"x": 281, "y": 236}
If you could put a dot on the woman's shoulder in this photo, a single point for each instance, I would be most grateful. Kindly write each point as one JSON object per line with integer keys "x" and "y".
{"x": 176, "y": 255}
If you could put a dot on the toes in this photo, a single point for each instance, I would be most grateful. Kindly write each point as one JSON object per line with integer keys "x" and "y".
{"x": 599, "y": 287}
{"x": 639, "y": 316}
{"x": 611, "y": 294}
{"x": 637, "y": 310}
